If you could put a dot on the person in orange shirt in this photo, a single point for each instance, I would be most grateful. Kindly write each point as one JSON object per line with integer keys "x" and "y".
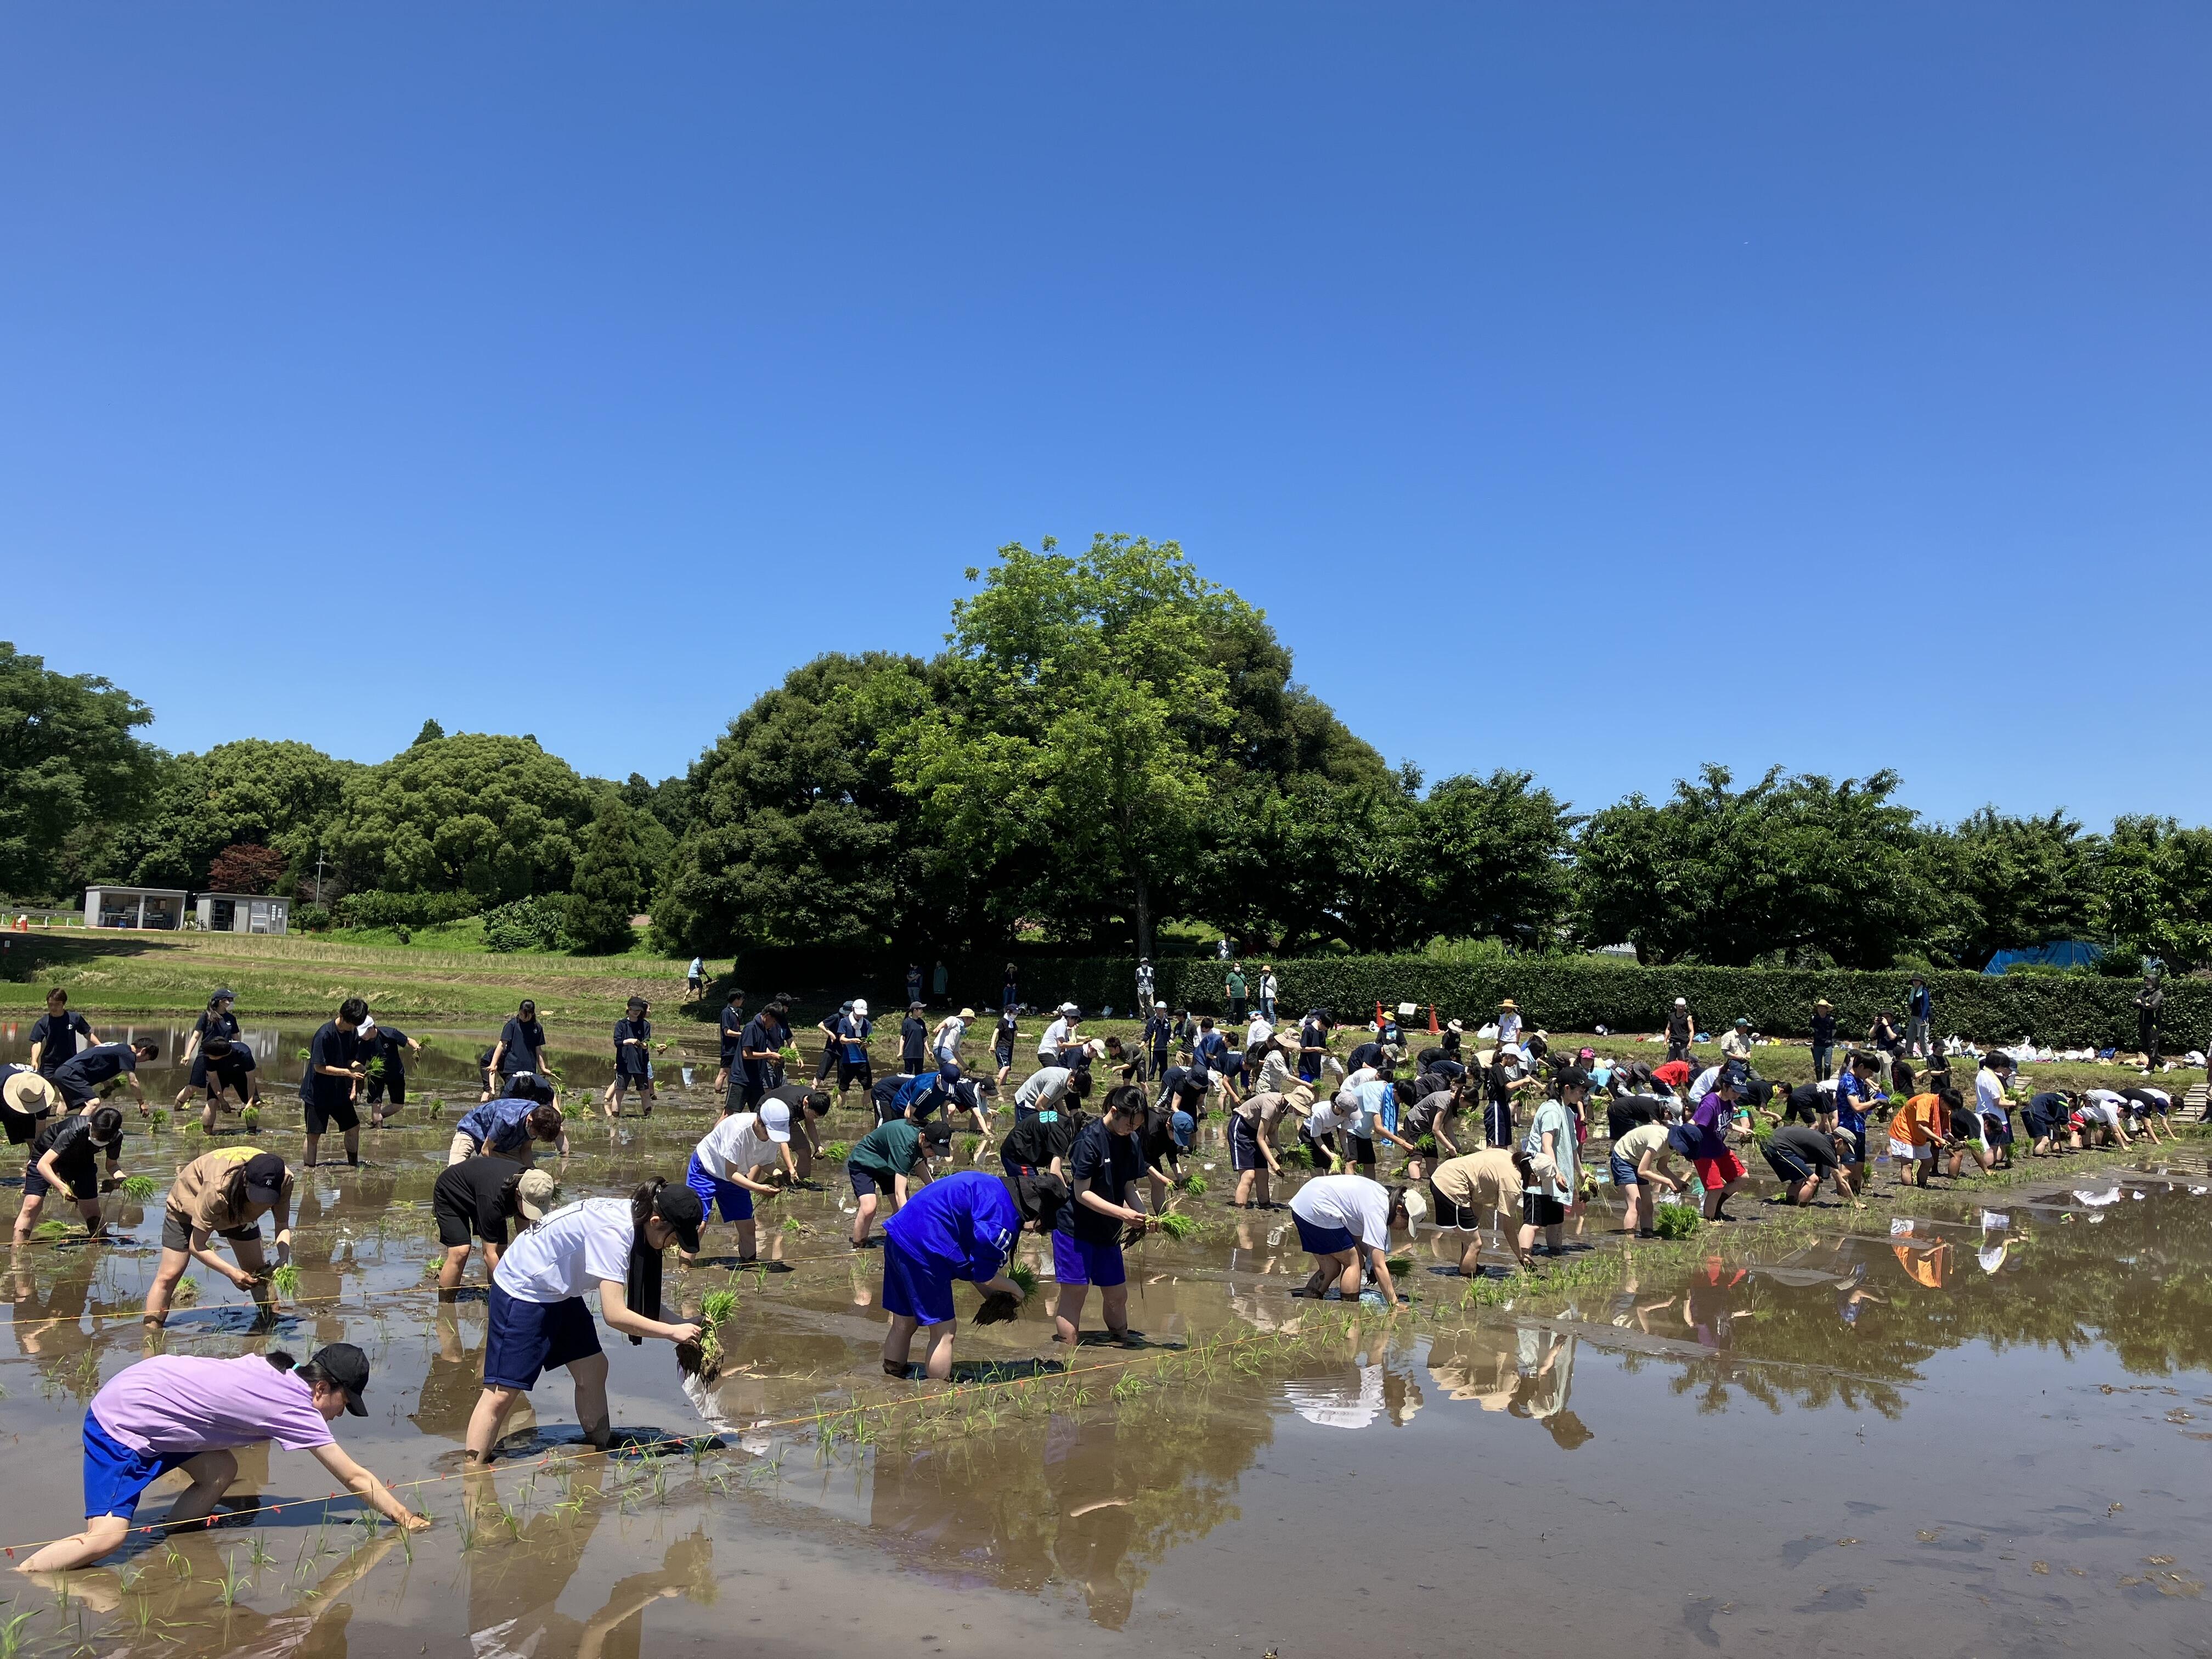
{"x": 1915, "y": 1134}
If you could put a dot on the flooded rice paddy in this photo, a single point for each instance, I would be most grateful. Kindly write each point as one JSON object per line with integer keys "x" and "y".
{"x": 1986, "y": 1427}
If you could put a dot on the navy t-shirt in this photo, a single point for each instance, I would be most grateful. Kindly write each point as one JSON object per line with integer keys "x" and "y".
{"x": 733, "y": 1026}
{"x": 526, "y": 1042}
{"x": 100, "y": 1063}
{"x": 331, "y": 1047}
{"x": 60, "y": 1037}
{"x": 632, "y": 1062}
{"x": 390, "y": 1046}
{"x": 761, "y": 1032}
{"x": 1103, "y": 1163}
{"x": 914, "y": 1040}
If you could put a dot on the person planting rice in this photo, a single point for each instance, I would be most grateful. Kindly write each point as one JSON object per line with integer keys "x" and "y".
{"x": 86, "y": 1075}
{"x": 1991, "y": 1080}
{"x": 961, "y": 1227}
{"x": 2045, "y": 1116}
{"x": 215, "y": 1022}
{"x": 1554, "y": 1169}
{"x": 1161, "y": 1140}
{"x": 26, "y": 1101}
{"x": 224, "y": 1193}
{"x": 2100, "y": 1118}
{"x": 1918, "y": 1131}
{"x": 1855, "y": 1090}
{"x": 477, "y": 1198}
{"x": 1640, "y": 1164}
{"x": 1039, "y": 1143}
{"x": 231, "y": 1087}
{"x": 1801, "y": 1157}
{"x": 1968, "y": 1135}
{"x": 1466, "y": 1191}
{"x": 1718, "y": 1168}
{"x": 1251, "y": 1126}
{"x": 66, "y": 1159}
{"x": 335, "y": 1072}
{"x": 512, "y": 1127}
{"x": 1049, "y": 1088}
{"x": 1342, "y": 1219}
{"x": 633, "y": 1061}
{"x": 1104, "y": 1168}
{"x": 886, "y": 1161}
{"x": 539, "y": 1321}
{"x": 184, "y": 1411}
{"x": 2147, "y": 1109}
{"x": 521, "y": 1045}
{"x": 726, "y": 1166}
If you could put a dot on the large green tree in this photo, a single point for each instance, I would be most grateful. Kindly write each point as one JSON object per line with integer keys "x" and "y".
{"x": 496, "y": 817}
{"x": 2156, "y": 881}
{"x": 281, "y": 795}
{"x": 71, "y": 766}
{"x": 613, "y": 874}
{"x": 2005, "y": 881}
{"x": 1789, "y": 865}
{"x": 797, "y": 831}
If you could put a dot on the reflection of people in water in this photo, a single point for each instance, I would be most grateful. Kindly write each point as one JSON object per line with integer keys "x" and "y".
{"x": 513, "y": 1592}
{"x": 1544, "y": 1361}
{"x": 1707, "y": 1312}
{"x": 1924, "y": 1264}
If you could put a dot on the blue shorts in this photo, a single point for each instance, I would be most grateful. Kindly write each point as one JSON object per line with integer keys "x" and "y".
{"x": 1624, "y": 1173}
{"x": 1244, "y": 1144}
{"x": 1323, "y": 1241}
{"x": 529, "y": 1337}
{"x": 1088, "y": 1262}
{"x": 867, "y": 1183}
{"x": 737, "y": 1203}
{"x": 916, "y": 1289}
{"x": 115, "y": 1477}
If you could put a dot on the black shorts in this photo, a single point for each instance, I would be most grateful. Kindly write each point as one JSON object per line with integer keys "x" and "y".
{"x": 1362, "y": 1149}
{"x": 1787, "y": 1165}
{"x": 867, "y": 1183}
{"x": 850, "y": 1071}
{"x": 1445, "y": 1213}
{"x": 35, "y": 1185}
{"x": 1541, "y": 1210}
{"x": 392, "y": 1082}
{"x": 177, "y": 1231}
{"x": 625, "y": 1081}
{"x": 457, "y": 1221}
{"x": 1245, "y": 1144}
{"x": 340, "y": 1112}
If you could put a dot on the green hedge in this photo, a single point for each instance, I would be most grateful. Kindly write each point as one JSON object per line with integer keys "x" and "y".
{"x": 1566, "y": 993}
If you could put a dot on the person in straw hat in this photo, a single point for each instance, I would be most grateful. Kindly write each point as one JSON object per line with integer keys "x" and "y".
{"x": 1508, "y": 1024}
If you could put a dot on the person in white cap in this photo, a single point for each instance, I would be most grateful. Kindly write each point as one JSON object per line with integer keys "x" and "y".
{"x": 1059, "y": 1035}
{"x": 1680, "y": 1028}
{"x": 725, "y": 1169}
{"x": 853, "y": 1028}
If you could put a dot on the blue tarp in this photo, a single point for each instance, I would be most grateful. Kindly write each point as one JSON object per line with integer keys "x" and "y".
{"x": 2059, "y": 953}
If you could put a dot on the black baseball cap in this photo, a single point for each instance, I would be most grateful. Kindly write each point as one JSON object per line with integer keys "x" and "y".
{"x": 347, "y": 1366}
{"x": 264, "y": 1184}
{"x": 679, "y": 1206}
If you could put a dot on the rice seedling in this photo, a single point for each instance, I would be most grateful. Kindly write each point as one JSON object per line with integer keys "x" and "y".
{"x": 258, "y": 1554}
{"x": 838, "y": 1151}
{"x": 1676, "y": 1221}
{"x": 1194, "y": 1184}
{"x": 286, "y": 1279}
{"x": 250, "y": 1118}
{"x": 139, "y": 1188}
{"x": 186, "y": 1293}
{"x": 1177, "y": 1227}
{"x": 791, "y": 1224}
{"x": 433, "y": 1266}
{"x": 1024, "y": 1275}
{"x": 159, "y": 1119}
{"x": 233, "y": 1583}
{"x": 11, "y": 1633}
{"x": 50, "y": 1231}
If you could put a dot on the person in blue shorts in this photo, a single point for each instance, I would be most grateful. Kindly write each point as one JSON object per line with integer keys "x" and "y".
{"x": 1104, "y": 1168}
{"x": 190, "y": 1412}
{"x": 727, "y": 1166}
{"x": 539, "y": 1321}
{"x": 959, "y": 1227}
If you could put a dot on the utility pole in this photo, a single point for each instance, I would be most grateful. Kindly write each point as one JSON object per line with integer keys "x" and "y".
{"x": 319, "y": 877}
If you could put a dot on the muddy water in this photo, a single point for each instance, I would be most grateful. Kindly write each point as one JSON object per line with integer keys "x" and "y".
{"x": 1988, "y": 1432}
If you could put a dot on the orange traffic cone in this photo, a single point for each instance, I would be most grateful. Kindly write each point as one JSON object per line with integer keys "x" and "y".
{"x": 1434, "y": 1030}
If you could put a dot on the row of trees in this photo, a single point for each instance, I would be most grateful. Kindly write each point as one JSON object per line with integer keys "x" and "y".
{"x": 1107, "y": 743}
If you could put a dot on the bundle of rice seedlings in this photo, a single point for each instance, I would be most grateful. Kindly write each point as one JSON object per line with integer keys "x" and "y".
{"x": 1194, "y": 1183}
{"x": 139, "y": 1188}
{"x": 1676, "y": 1221}
{"x": 838, "y": 1151}
{"x": 286, "y": 1279}
{"x": 1024, "y": 1275}
{"x": 1177, "y": 1227}
{"x": 159, "y": 1119}
{"x": 251, "y": 1117}
{"x": 51, "y": 1231}
{"x": 186, "y": 1293}
{"x": 715, "y": 1308}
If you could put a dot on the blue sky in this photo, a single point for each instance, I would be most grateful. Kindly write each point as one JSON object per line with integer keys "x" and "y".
{"x": 1593, "y": 389}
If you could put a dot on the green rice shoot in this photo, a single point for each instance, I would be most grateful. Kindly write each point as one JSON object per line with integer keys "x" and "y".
{"x": 51, "y": 1231}
{"x": 838, "y": 1151}
{"x": 1024, "y": 1275}
{"x": 286, "y": 1279}
{"x": 139, "y": 1188}
{"x": 1177, "y": 1227}
{"x": 1676, "y": 1221}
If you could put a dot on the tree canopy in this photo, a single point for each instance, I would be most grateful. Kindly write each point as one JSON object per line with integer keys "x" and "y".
{"x": 71, "y": 766}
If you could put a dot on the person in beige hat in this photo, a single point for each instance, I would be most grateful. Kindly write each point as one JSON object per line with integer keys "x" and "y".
{"x": 25, "y": 1098}
{"x": 1509, "y": 1022}
{"x": 476, "y": 1199}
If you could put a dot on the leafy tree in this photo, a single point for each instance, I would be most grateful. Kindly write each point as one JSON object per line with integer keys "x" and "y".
{"x": 1493, "y": 858}
{"x": 2008, "y": 882}
{"x": 431, "y": 733}
{"x": 2156, "y": 877}
{"x": 280, "y": 795}
{"x": 70, "y": 763}
{"x": 1790, "y": 864}
{"x": 528, "y": 923}
{"x": 496, "y": 817}
{"x": 613, "y": 875}
{"x": 668, "y": 802}
{"x": 243, "y": 867}
{"x": 798, "y": 832}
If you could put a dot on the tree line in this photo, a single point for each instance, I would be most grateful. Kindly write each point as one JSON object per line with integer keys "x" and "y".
{"x": 1108, "y": 744}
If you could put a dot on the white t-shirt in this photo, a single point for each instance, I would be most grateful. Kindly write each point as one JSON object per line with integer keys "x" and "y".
{"x": 1041, "y": 1088}
{"x": 1989, "y": 1094}
{"x": 1054, "y": 1038}
{"x": 735, "y": 1142}
{"x": 2106, "y": 1104}
{"x": 1257, "y": 1032}
{"x": 569, "y": 1253}
{"x": 1360, "y": 1206}
{"x": 948, "y": 1036}
{"x": 1509, "y": 1028}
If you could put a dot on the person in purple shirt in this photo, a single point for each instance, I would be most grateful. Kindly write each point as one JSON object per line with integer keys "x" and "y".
{"x": 1718, "y": 1166}
{"x": 189, "y": 1412}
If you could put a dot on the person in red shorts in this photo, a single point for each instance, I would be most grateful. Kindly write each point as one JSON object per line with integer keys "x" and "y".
{"x": 1718, "y": 1166}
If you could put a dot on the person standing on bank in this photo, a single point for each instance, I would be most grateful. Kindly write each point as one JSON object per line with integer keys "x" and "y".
{"x": 1680, "y": 1028}
{"x": 222, "y": 1192}
{"x": 215, "y": 1020}
{"x": 1824, "y": 1040}
{"x": 335, "y": 1074}
{"x": 632, "y": 1059}
{"x": 57, "y": 1034}
{"x": 540, "y": 1319}
{"x": 185, "y": 1411}
{"x": 1144, "y": 983}
{"x": 1920, "y": 1019}
{"x": 695, "y": 977}
{"x": 1232, "y": 987}
{"x": 521, "y": 1045}
{"x": 2148, "y": 1003}
{"x": 914, "y": 985}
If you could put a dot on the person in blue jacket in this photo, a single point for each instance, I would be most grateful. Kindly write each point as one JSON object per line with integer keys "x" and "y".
{"x": 960, "y": 1226}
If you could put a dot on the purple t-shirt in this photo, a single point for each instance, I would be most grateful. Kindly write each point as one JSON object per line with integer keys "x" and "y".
{"x": 1713, "y": 1115}
{"x": 178, "y": 1403}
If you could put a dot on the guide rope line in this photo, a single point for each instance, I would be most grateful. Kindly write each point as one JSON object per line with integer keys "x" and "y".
{"x": 680, "y": 1442}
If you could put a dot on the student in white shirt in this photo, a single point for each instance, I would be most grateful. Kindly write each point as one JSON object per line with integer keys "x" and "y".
{"x": 1342, "y": 1218}
{"x": 726, "y": 1166}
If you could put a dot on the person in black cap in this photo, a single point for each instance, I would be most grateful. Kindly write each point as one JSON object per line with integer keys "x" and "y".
{"x": 225, "y": 1193}
{"x": 190, "y": 1412}
{"x": 540, "y": 1321}
{"x": 64, "y": 1159}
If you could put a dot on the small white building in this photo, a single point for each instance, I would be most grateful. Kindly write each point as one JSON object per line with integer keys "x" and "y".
{"x": 243, "y": 913}
{"x": 134, "y": 907}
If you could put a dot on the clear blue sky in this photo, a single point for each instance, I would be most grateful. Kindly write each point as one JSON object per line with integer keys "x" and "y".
{"x": 1595, "y": 390}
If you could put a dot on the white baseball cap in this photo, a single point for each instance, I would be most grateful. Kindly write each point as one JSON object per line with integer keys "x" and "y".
{"x": 775, "y": 1121}
{"x": 860, "y": 1006}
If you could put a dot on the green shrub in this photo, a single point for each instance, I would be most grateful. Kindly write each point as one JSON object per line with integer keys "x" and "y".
{"x": 530, "y": 924}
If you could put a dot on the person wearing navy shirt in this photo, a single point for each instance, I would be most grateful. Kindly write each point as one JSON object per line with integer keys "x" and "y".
{"x": 1008, "y": 1033}
{"x": 386, "y": 1046}
{"x": 521, "y": 1045}
{"x": 335, "y": 1072}
{"x": 1159, "y": 1037}
{"x": 81, "y": 1077}
{"x": 633, "y": 1061}
{"x": 914, "y": 1036}
{"x": 913, "y": 984}
{"x": 734, "y": 1032}
{"x": 760, "y": 1055}
{"x": 217, "y": 1022}
{"x": 57, "y": 1034}
{"x": 1103, "y": 1170}
{"x": 1855, "y": 1090}
{"x": 1919, "y": 1019}
{"x": 1824, "y": 1040}
{"x": 959, "y": 1226}
{"x": 1313, "y": 1046}
{"x": 853, "y": 1028}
